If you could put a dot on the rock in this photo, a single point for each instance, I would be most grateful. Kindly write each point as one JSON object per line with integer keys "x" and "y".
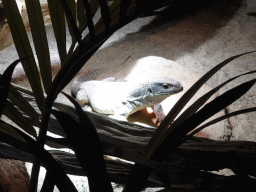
{"x": 13, "y": 176}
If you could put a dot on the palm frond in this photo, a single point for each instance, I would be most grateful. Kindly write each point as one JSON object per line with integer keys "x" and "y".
{"x": 40, "y": 41}
{"x": 59, "y": 27}
{"x": 71, "y": 20}
{"x": 24, "y": 49}
{"x": 186, "y": 98}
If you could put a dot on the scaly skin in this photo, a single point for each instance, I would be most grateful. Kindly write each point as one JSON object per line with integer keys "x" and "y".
{"x": 123, "y": 98}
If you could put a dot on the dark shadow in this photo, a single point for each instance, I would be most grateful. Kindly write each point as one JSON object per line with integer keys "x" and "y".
{"x": 186, "y": 24}
{"x": 213, "y": 12}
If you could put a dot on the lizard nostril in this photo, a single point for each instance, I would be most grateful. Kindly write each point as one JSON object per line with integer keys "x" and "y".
{"x": 150, "y": 90}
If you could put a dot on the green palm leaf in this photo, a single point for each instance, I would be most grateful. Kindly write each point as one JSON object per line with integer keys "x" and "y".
{"x": 40, "y": 41}
{"x": 23, "y": 141}
{"x": 12, "y": 113}
{"x": 24, "y": 50}
{"x": 5, "y": 81}
{"x": 185, "y": 99}
{"x": 59, "y": 27}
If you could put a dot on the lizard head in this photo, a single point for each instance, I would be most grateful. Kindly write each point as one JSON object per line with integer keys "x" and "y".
{"x": 165, "y": 86}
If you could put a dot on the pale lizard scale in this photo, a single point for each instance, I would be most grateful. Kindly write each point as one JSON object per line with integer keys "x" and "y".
{"x": 123, "y": 98}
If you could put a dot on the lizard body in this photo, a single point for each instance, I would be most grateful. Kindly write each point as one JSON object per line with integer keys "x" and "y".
{"x": 122, "y": 98}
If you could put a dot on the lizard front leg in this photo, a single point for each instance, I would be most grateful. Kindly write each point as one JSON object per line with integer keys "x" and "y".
{"x": 82, "y": 98}
{"x": 159, "y": 113}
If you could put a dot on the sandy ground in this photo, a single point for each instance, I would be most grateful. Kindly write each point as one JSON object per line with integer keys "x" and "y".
{"x": 196, "y": 40}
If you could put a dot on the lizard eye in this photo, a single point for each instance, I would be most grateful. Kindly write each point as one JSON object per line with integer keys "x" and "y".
{"x": 166, "y": 86}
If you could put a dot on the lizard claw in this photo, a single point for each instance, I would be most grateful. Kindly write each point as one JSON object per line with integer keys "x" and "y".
{"x": 87, "y": 108}
{"x": 157, "y": 121}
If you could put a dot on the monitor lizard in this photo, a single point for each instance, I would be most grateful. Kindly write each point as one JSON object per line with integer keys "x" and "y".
{"x": 122, "y": 98}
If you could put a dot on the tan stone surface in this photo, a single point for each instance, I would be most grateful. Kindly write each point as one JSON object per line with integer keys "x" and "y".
{"x": 13, "y": 176}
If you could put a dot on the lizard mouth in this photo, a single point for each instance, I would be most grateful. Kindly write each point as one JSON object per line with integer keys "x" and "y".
{"x": 178, "y": 88}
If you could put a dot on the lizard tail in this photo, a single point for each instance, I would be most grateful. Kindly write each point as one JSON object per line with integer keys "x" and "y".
{"x": 95, "y": 73}
{"x": 90, "y": 74}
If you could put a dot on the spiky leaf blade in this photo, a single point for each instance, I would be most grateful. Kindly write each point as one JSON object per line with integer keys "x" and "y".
{"x": 22, "y": 103}
{"x": 186, "y": 98}
{"x": 40, "y": 41}
{"x": 235, "y": 113}
{"x": 81, "y": 135}
{"x": 24, "y": 49}
{"x": 5, "y": 81}
{"x": 71, "y": 18}
{"x": 59, "y": 27}
{"x": 173, "y": 139}
{"x": 59, "y": 176}
{"x": 12, "y": 113}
